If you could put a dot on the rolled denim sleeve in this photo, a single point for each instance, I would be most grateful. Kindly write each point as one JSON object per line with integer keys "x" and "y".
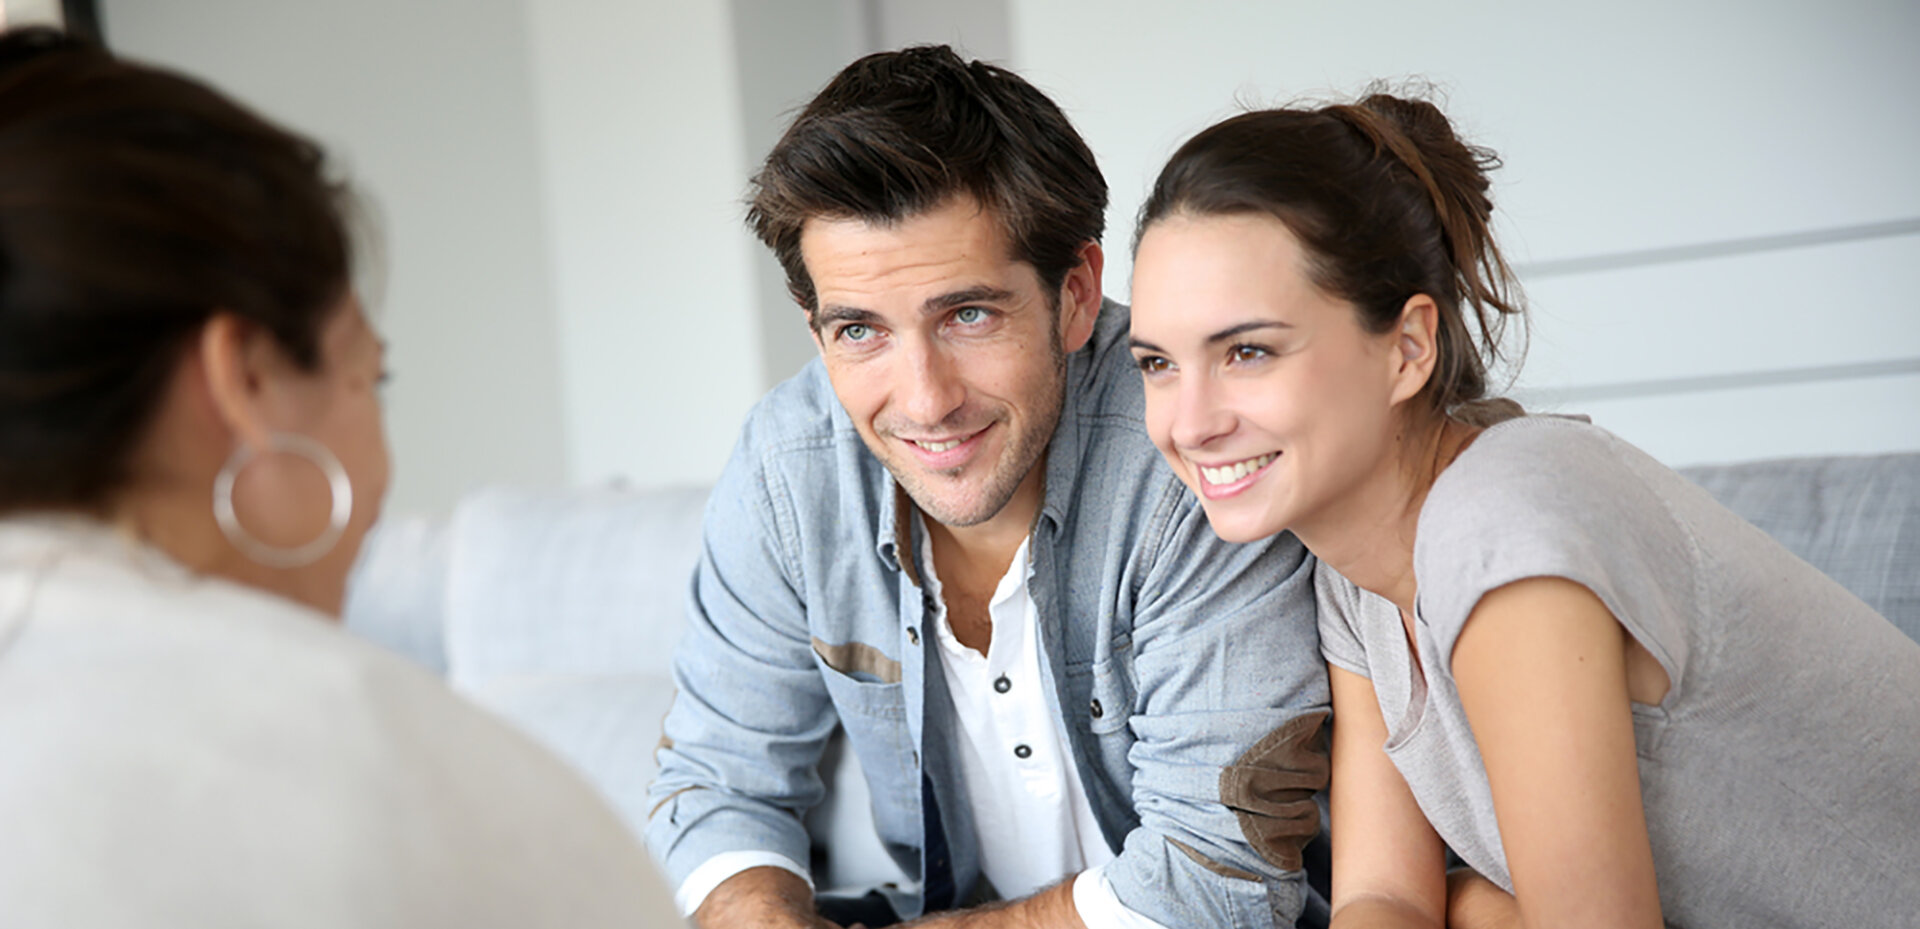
{"x": 1229, "y": 722}
{"x": 742, "y": 743}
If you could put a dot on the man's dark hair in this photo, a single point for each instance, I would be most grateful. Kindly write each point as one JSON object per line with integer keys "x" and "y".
{"x": 898, "y": 133}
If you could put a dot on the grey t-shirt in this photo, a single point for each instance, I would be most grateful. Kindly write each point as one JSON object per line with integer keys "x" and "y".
{"x": 1781, "y": 774}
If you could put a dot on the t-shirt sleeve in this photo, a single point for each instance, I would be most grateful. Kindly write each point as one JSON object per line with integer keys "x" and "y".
{"x": 1555, "y": 498}
{"x": 1338, "y": 601}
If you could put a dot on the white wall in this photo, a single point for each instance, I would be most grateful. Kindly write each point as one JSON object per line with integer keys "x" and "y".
{"x": 428, "y": 108}
{"x": 567, "y": 288}
{"x": 786, "y": 52}
{"x": 643, "y": 167}
{"x": 1712, "y": 203}
{"x": 31, "y": 13}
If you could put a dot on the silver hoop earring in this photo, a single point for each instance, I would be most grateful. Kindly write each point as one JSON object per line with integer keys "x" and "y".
{"x": 276, "y": 556}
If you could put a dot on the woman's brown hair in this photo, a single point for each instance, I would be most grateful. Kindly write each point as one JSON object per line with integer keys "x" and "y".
{"x": 134, "y": 204}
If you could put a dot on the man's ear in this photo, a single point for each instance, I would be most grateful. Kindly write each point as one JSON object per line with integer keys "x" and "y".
{"x": 236, "y": 357}
{"x": 1080, "y": 297}
{"x": 1416, "y": 343}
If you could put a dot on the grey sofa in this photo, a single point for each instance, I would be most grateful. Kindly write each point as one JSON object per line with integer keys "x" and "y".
{"x": 559, "y": 610}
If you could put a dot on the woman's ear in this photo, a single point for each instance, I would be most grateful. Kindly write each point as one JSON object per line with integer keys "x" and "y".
{"x": 237, "y": 358}
{"x": 1080, "y": 297}
{"x": 1416, "y": 346}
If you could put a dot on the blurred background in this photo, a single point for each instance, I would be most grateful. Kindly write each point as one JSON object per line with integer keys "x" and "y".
{"x": 1713, "y": 204}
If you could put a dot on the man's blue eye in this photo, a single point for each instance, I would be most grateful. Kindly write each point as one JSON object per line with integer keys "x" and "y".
{"x": 855, "y": 332}
{"x": 968, "y": 315}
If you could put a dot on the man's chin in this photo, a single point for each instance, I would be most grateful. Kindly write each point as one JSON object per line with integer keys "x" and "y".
{"x": 957, "y": 507}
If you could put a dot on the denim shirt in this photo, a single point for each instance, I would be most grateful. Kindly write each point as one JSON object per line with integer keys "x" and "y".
{"x": 1186, "y": 670}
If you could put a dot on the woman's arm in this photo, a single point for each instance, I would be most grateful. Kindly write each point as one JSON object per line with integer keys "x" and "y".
{"x": 1473, "y": 902}
{"x": 1389, "y": 867}
{"x": 1542, "y": 671}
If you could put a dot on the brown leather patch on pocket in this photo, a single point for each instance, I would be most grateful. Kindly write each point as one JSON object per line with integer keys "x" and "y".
{"x": 1271, "y": 787}
{"x": 1216, "y": 867}
{"x": 854, "y": 658}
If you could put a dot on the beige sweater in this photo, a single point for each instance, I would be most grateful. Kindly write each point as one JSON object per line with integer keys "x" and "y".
{"x": 177, "y": 751}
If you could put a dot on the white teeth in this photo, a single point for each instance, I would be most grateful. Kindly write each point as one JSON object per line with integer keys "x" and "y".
{"x": 1227, "y": 474}
{"x": 938, "y": 446}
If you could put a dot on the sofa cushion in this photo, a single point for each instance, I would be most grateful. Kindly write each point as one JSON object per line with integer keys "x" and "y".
{"x": 1856, "y": 519}
{"x": 396, "y": 596}
{"x": 562, "y": 612}
{"x": 569, "y": 582}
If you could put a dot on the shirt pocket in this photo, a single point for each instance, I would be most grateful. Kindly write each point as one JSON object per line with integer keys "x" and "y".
{"x": 862, "y": 681}
{"x": 873, "y": 711}
{"x": 1111, "y": 694}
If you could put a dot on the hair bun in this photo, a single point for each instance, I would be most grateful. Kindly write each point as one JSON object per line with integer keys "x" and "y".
{"x": 1457, "y": 169}
{"x": 1421, "y": 138}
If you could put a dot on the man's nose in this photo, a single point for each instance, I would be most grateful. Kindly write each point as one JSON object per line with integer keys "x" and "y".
{"x": 932, "y": 389}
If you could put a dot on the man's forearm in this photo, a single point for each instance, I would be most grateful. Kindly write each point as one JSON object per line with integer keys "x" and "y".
{"x": 1051, "y": 908}
{"x": 764, "y": 896}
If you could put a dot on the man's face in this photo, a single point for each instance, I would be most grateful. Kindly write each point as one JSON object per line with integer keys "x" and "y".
{"x": 946, "y": 352}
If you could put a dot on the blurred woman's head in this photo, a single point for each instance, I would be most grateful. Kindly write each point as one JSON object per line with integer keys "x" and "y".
{"x": 176, "y": 308}
{"x": 1316, "y": 294}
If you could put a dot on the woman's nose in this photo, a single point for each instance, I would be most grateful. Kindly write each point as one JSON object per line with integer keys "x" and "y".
{"x": 1201, "y": 414}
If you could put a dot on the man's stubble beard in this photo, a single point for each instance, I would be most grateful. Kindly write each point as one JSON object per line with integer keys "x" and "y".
{"x": 1022, "y": 454}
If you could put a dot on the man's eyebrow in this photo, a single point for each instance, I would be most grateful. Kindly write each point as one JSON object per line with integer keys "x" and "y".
{"x": 833, "y": 313}
{"x": 983, "y": 293}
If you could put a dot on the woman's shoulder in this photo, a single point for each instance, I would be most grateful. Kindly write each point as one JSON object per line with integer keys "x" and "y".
{"x": 148, "y": 638}
{"x": 267, "y": 716}
{"x": 1548, "y": 496}
{"x": 1532, "y": 469}
{"x": 111, "y": 630}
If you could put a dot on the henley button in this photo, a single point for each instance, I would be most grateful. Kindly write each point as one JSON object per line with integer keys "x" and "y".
{"x": 913, "y": 635}
{"x": 1022, "y": 752}
{"x": 1001, "y": 684}
{"x": 1095, "y": 709}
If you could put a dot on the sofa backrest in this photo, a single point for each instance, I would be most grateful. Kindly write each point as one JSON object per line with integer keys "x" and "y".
{"x": 559, "y": 610}
{"x": 569, "y": 582}
{"x": 1856, "y": 519}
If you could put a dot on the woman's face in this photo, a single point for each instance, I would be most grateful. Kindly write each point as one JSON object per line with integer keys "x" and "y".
{"x": 1264, "y": 393}
{"x": 283, "y": 499}
{"x": 353, "y": 423}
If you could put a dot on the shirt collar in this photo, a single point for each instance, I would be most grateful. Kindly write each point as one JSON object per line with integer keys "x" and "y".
{"x": 895, "y": 541}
